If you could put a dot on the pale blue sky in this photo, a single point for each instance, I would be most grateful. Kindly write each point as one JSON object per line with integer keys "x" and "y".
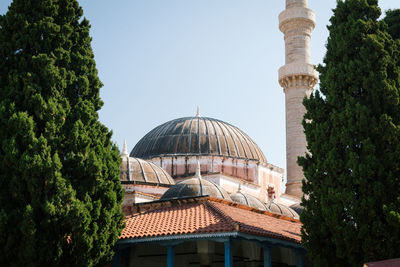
{"x": 160, "y": 59}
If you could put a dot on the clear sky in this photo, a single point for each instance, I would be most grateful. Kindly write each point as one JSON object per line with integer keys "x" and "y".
{"x": 160, "y": 59}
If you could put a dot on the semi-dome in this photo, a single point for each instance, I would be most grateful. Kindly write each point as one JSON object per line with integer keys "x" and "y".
{"x": 248, "y": 200}
{"x": 195, "y": 187}
{"x": 197, "y": 136}
{"x": 140, "y": 171}
{"x": 282, "y": 210}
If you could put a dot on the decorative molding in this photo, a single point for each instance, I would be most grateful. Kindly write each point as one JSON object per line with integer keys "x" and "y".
{"x": 298, "y": 81}
{"x": 296, "y": 15}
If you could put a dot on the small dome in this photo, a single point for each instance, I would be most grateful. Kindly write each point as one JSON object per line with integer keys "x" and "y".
{"x": 297, "y": 208}
{"x": 195, "y": 187}
{"x": 282, "y": 210}
{"x": 248, "y": 200}
{"x": 140, "y": 171}
{"x": 197, "y": 136}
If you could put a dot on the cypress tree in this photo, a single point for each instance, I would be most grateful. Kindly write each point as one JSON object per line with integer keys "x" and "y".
{"x": 60, "y": 201}
{"x": 392, "y": 18}
{"x": 352, "y": 125}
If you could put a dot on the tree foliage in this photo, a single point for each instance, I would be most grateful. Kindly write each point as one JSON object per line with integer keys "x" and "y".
{"x": 352, "y": 126}
{"x": 392, "y": 18}
{"x": 59, "y": 172}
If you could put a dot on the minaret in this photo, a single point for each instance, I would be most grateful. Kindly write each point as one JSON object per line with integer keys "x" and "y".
{"x": 297, "y": 77}
{"x": 125, "y": 158}
{"x": 124, "y": 150}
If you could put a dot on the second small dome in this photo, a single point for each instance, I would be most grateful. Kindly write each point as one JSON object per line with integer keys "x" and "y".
{"x": 195, "y": 187}
{"x": 248, "y": 200}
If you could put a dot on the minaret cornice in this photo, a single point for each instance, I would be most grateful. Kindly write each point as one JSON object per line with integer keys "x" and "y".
{"x": 297, "y": 74}
{"x": 296, "y": 18}
{"x": 298, "y": 81}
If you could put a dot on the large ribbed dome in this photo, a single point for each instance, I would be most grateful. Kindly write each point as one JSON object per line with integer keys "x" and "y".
{"x": 197, "y": 136}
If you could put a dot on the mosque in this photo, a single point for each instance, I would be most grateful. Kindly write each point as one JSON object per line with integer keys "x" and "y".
{"x": 200, "y": 192}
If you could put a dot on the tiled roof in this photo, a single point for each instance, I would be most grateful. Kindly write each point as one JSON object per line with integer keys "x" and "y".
{"x": 207, "y": 215}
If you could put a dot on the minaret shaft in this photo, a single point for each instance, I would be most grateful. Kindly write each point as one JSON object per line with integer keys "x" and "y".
{"x": 297, "y": 77}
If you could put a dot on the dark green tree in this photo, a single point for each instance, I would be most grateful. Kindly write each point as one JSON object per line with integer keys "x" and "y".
{"x": 392, "y": 19}
{"x": 60, "y": 201}
{"x": 352, "y": 126}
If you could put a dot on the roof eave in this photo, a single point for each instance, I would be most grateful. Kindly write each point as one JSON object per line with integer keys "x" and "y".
{"x": 217, "y": 237}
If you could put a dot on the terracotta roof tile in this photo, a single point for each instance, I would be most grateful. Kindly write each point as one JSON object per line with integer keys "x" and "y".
{"x": 261, "y": 224}
{"x": 208, "y": 215}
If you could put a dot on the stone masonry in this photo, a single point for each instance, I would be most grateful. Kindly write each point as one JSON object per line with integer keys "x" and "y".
{"x": 297, "y": 77}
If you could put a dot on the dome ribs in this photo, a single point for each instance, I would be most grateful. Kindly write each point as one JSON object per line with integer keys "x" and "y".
{"x": 143, "y": 172}
{"x": 198, "y": 139}
{"x": 166, "y": 175}
{"x": 224, "y": 143}
{"x": 282, "y": 209}
{"x": 179, "y": 137}
{"x": 194, "y": 136}
{"x": 217, "y": 143}
{"x": 248, "y": 200}
{"x": 167, "y": 139}
{"x": 195, "y": 187}
{"x": 151, "y": 175}
{"x": 240, "y": 146}
{"x": 183, "y": 140}
{"x": 230, "y": 141}
{"x": 176, "y": 134}
{"x": 219, "y": 190}
{"x": 204, "y": 144}
{"x": 123, "y": 170}
{"x": 245, "y": 199}
{"x": 128, "y": 169}
{"x": 148, "y": 143}
{"x": 156, "y": 173}
{"x": 212, "y": 137}
{"x": 197, "y": 136}
{"x": 260, "y": 155}
{"x": 161, "y": 141}
{"x": 254, "y": 147}
{"x": 257, "y": 150}
{"x": 249, "y": 152}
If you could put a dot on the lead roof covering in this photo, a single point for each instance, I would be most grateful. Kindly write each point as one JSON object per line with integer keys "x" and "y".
{"x": 197, "y": 136}
{"x": 138, "y": 170}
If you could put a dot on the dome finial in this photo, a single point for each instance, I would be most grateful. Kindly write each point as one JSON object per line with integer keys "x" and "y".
{"x": 239, "y": 188}
{"x": 198, "y": 112}
{"x": 124, "y": 150}
{"x": 198, "y": 171}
